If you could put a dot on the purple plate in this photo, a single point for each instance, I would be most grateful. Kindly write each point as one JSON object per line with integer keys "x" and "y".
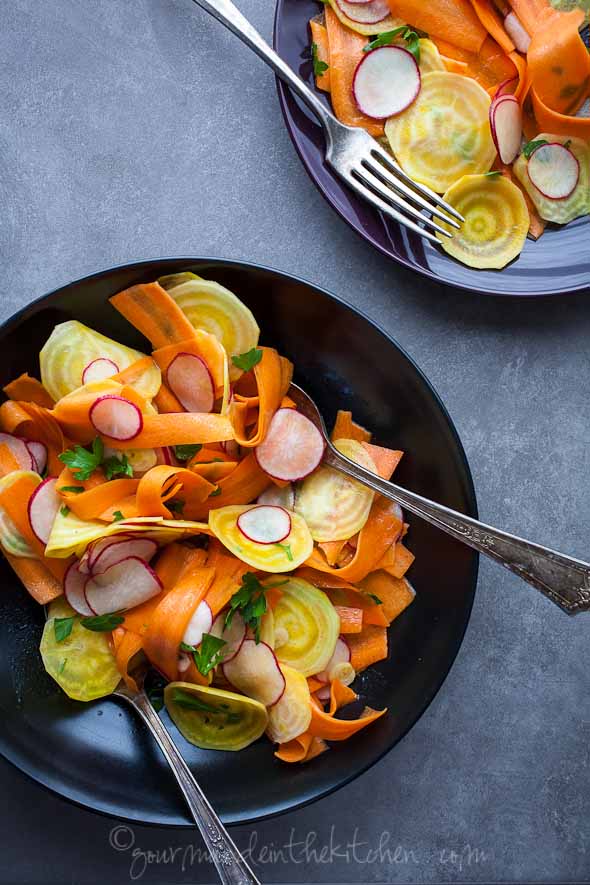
{"x": 558, "y": 263}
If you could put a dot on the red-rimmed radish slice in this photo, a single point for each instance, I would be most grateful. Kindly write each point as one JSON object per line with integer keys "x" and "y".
{"x": 506, "y": 87}
{"x": 231, "y": 448}
{"x": 99, "y": 369}
{"x": 184, "y": 662}
{"x": 367, "y": 13}
{"x": 386, "y": 82}
{"x": 143, "y": 548}
{"x": 43, "y": 506}
{"x": 233, "y": 635}
{"x": 279, "y": 497}
{"x": 74, "y": 583}
{"x": 517, "y": 32}
{"x": 116, "y": 417}
{"x": 19, "y": 449}
{"x": 199, "y": 623}
{"x": 165, "y": 455}
{"x": 190, "y": 381}
{"x": 39, "y": 454}
{"x": 323, "y": 693}
{"x": 265, "y": 524}
{"x": 293, "y": 446}
{"x": 554, "y": 171}
{"x": 341, "y": 656}
{"x": 255, "y": 671}
{"x": 124, "y": 585}
{"x": 506, "y": 126}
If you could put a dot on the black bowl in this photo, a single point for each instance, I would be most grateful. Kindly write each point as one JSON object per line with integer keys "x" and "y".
{"x": 98, "y": 754}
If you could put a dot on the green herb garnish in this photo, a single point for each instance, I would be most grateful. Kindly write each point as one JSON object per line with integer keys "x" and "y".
{"x": 532, "y": 146}
{"x": 175, "y": 506}
{"x": 209, "y": 653}
{"x": 185, "y": 453}
{"x": 64, "y": 510}
{"x": 62, "y": 627}
{"x": 216, "y": 492}
{"x": 319, "y": 67}
{"x": 81, "y": 462}
{"x": 117, "y": 516}
{"x": 375, "y": 598}
{"x": 493, "y": 174}
{"x": 63, "y": 666}
{"x": 74, "y": 490}
{"x": 286, "y": 548}
{"x": 103, "y": 623}
{"x": 250, "y": 601}
{"x": 114, "y": 466}
{"x": 247, "y": 361}
{"x": 404, "y": 33}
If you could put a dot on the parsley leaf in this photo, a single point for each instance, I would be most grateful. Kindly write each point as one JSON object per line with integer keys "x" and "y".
{"x": 247, "y": 361}
{"x": 411, "y": 37}
{"x": 115, "y": 466}
{"x": 64, "y": 510}
{"x": 216, "y": 492}
{"x": 103, "y": 623}
{"x": 208, "y": 654}
{"x": 81, "y": 462}
{"x": 117, "y": 516}
{"x": 186, "y": 452}
{"x": 74, "y": 490}
{"x": 175, "y": 506}
{"x": 319, "y": 67}
{"x": 62, "y": 627}
{"x": 493, "y": 174}
{"x": 286, "y": 548}
{"x": 532, "y": 146}
{"x": 250, "y": 601}
{"x": 375, "y": 598}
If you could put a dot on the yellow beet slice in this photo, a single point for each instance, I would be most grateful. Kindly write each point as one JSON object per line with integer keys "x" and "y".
{"x": 496, "y": 221}
{"x": 445, "y": 133}
{"x": 214, "y": 719}
{"x": 430, "y": 58}
{"x": 308, "y": 625}
{"x": 291, "y": 715}
{"x": 83, "y": 664}
{"x": 386, "y": 24}
{"x": 285, "y": 556}
{"x": 578, "y": 202}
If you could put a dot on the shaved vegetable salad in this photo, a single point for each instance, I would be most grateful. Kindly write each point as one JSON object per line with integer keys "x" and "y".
{"x": 484, "y": 101}
{"x": 173, "y": 504}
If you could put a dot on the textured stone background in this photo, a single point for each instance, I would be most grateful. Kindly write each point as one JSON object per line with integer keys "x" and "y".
{"x": 140, "y": 128}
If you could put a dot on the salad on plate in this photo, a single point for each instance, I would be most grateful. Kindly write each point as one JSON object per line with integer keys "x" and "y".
{"x": 174, "y": 504}
{"x": 484, "y": 101}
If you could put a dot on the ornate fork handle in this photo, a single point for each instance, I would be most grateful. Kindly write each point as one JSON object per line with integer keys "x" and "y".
{"x": 563, "y": 579}
{"x": 231, "y": 867}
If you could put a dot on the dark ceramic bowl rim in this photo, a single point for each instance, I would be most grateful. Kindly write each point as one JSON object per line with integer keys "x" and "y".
{"x": 16, "y": 318}
{"x": 283, "y": 91}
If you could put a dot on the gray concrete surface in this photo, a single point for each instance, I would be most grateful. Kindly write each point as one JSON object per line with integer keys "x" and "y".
{"x": 138, "y": 128}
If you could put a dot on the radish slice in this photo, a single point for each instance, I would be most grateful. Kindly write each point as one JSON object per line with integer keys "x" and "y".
{"x": 506, "y": 126}
{"x": 190, "y": 381}
{"x": 39, "y": 454}
{"x": 323, "y": 693}
{"x": 366, "y": 13}
{"x": 506, "y": 87}
{"x": 116, "y": 417}
{"x": 165, "y": 455}
{"x": 278, "y": 497}
{"x": 231, "y": 448}
{"x": 124, "y": 585}
{"x": 358, "y": 2}
{"x": 386, "y": 82}
{"x": 200, "y": 623}
{"x": 116, "y": 551}
{"x": 43, "y": 506}
{"x": 341, "y": 656}
{"x": 184, "y": 663}
{"x": 99, "y": 369}
{"x": 74, "y": 583}
{"x": 554, "y": 171}
{"x": 517, "y": 33}
{"x": 293, "y": 446}
{"x": 233, "y": 635}
{"x": 255, "y": 671}
{"x": 20, "y": 450}
{"x": 265, "y": 524}
{"x": 95, "y": 548}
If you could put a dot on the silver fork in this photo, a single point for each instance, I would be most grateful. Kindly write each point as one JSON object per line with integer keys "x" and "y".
{"x": 563, "y": 579}
{"x": 231, "y": 866}
{"x": 353, "y": 154}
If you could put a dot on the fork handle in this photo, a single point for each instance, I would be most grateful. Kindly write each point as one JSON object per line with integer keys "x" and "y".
{"x": 228, "y": 14}
{"x": 563, "y": 579}
{"x": 230, "y": 865}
